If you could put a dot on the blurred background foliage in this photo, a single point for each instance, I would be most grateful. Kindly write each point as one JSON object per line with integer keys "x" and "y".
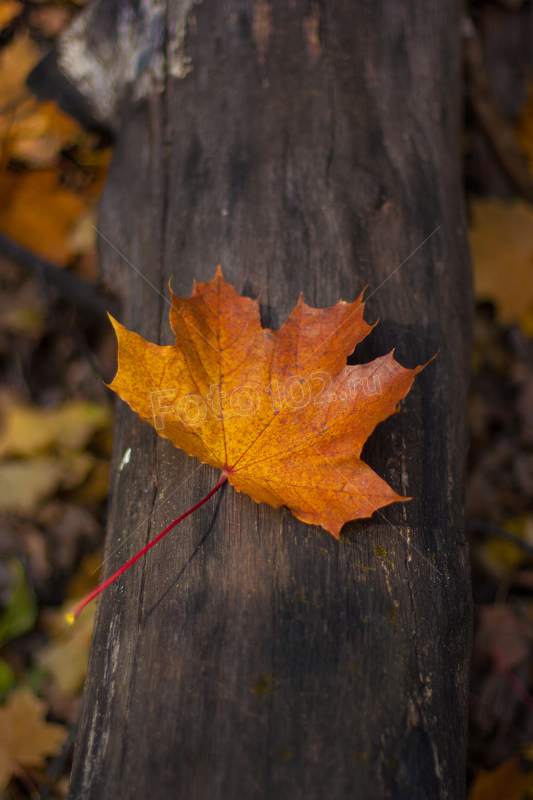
{"x": 56, "y": 415}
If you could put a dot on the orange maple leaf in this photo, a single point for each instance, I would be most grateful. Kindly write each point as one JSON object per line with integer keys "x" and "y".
{"x": 279, "y": 412}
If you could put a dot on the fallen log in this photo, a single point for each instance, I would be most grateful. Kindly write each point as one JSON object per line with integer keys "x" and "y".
{"x": 306, "y": 147}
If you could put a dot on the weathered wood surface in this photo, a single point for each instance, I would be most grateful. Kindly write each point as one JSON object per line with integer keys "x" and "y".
{"x": 312, "y": 147}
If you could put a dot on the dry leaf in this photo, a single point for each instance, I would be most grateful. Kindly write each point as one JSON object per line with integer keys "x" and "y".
{"x": 28, "y": 430}
{"x": 17, "y": 59}
{"x": 39, "y": 213}
{"x": 506, "y": 553}
{"x": 25, "y": 484}
{"x": 96, "y": 487}
{"x": 501, "y": 238}
{"x": 278, "y": 410}
{"x": 25, "y": 738}
{"x": 509, "y": 781}
{"x": 37, "y": 132}
{"x": 66, "y": 659}
{"x": 9, "y": 10}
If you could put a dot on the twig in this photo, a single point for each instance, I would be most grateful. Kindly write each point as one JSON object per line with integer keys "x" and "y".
{"x": 25, "y": 779}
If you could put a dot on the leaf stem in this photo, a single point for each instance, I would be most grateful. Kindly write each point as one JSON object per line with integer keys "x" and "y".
{"x": 86, "y": 600}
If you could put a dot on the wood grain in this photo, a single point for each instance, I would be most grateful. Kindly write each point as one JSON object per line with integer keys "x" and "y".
{"x": 313, "y": 147}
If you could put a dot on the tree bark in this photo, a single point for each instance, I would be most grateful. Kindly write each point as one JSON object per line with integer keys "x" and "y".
{"x": 314, "y": 147}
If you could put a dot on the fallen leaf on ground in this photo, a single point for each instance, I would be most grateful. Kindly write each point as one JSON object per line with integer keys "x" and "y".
{"x": 17, "y": 59}
{"x": 39, "y": 212}
{"x": 96, "y": 487}
{"x": 28, "y": 430}
{"x": 24, "y": 484}
{"x": 25, "y": 738}
{"x": 9, "y": 10}
{"x": 507, "y": 553}
{"x": 501, "y": 239}
{"x": 43, "y": 450}
{"x": 35, "y": 133}
{"x": 279, "y": 411}
{"x": 509, "y": 781}
{"x": 65, "y": 660}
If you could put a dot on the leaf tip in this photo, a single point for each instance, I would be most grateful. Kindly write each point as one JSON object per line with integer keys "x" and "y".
{"x": 115, "y": 323}
{"x": 429, "y": 361}
{"x": 334, "y": 529}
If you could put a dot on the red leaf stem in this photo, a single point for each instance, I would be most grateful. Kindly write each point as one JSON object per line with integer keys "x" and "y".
{"x": 86, "y": 600}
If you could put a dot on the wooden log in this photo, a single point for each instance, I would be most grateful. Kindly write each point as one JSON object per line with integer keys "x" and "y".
{"x": 308, "y": 147}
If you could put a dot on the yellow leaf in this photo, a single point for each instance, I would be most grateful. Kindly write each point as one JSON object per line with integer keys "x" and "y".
{"x": 39, "y": 213}
{"x": 17, "y": 59}
{"x": 507, "y": 553}
{"x": 507, "y": 782}
{"x": 28, "y": 430}
{"x": 37, "y": 137}
{"x": 501, "y": 238}
{"x": 24, "y": 484}
{"x": 96, "y": 487}
{"x": 9, "y": 10}
{"x": 25, "y": 738}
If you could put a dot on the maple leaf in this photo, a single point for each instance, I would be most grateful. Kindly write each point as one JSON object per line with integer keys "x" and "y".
{"x": 25, "y": 738}
{"x": 279, "y": 412}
